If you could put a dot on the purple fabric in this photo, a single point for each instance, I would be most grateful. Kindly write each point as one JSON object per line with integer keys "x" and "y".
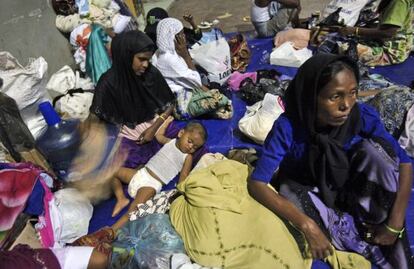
{"x": 140, "y": 154}
{"x": 375, "y": 180}
{"x": 345, "y": 236}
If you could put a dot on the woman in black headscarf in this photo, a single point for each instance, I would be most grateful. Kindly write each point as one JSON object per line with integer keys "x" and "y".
{"x": 133, "y": 93}
{"x": 340, "y": 175}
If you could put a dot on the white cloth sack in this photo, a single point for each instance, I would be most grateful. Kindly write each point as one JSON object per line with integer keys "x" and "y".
{"x": 26, "y": 85}
{"x": 350, "y": 10}
{"x": 71, "y": 220}
{"x": 61, "y": 81}
{"x": 258, "y": 119}
{"x": 287, "y": 55}
{"x": 215, "y": 58}
{"x": 76, "y": 105}
{"x": 406, "y": 139}
{"x": 65, "y": 79}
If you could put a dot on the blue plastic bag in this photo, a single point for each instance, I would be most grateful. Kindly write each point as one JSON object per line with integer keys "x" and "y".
{"x": 147, "y": 242}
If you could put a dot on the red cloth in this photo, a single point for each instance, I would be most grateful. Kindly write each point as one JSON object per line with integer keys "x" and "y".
{"x": 16, "y": 184}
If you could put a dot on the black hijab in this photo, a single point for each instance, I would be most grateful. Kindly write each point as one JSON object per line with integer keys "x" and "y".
{"x": 328, "y": 161}
{"x": 121, "y": 96}
{"x": 154, "y": 16}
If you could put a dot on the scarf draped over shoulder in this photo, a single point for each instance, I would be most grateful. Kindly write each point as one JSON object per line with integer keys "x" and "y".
{"x": 328, "y": 161}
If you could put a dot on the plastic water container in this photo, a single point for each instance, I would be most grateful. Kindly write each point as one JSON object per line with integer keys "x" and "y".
{"x": 60, "y": 142}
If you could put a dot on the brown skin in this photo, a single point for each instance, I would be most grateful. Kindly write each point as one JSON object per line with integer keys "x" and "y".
{"x": 335, "y": 101}
{"x": 98, "y": 260}
{"x": 381, "y": 235}
{"x": 190, "y": 19}
{"x": 181, "y": 49}
{"x": 382, "y": 32}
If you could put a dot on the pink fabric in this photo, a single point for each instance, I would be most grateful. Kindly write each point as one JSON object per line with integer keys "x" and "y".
{"x": 133, "y": 134}
{"x": 16, "y": 185}
{"x": 46, "y": 228}
{"x": 299, "y": 38}
{"x": 236, "y": 78}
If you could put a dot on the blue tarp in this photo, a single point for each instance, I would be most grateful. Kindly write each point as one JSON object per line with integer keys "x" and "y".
{"x": 224, "y": 135}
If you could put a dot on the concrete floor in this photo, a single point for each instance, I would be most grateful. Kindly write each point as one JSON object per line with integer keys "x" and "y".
{"x": 211, "y": 9}
{"x": 27, "y": 27}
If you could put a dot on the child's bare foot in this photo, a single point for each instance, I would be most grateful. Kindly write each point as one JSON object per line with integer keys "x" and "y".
{"x": 120, "y": 204}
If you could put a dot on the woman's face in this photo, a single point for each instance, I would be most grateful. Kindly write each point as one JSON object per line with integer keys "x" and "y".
{"x": 141, "y": 62}
{"x": 336, "y": 99}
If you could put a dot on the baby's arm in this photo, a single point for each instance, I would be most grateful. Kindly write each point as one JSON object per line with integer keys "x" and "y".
{"x": 160, "y": 135}
{"x": 185, "y": 171}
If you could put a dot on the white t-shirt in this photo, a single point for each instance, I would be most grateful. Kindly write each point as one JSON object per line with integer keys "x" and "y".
{"x": 167, "y": 162}
{"x": 259, "y": 14}
{"x": 262, "y": 14}
{"x": 350, "y": 10}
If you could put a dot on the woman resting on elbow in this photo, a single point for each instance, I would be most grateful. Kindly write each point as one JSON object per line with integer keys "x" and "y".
{"x": 342, "y": 179}
{"x": 133, "y": 93}
{"x": 176, "y": 65}
{"x": 392, "y": 40}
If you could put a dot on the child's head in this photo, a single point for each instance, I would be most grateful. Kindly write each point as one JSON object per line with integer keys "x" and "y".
{"x": 191, "y": 138}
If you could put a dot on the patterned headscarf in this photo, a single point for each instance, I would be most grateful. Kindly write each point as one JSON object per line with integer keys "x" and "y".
{"x": 166, "y": 31}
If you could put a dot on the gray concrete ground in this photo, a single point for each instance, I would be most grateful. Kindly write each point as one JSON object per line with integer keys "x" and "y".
{"x": 27, "y": 27}
{"x": 27, "y": 30}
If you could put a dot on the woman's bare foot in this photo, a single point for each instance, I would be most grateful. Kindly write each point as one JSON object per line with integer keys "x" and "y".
{"x": 120, "y": 204}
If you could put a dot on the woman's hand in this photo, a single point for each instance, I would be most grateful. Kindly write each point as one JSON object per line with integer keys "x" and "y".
{"x": 380, "y": 235}
{"x": 181, "y": 45}
{"x": 147, "y": 135}
{"x": 320, "y": 246}
{"x": 190, "y": 19}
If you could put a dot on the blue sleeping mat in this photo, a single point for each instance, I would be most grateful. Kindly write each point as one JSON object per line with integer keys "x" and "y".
{"x": 224, "y": 135}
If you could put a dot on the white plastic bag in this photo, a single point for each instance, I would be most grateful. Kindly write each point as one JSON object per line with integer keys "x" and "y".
{"x": 350, "y": 10}
{"x": 71, "y": 220}
{"x": 26, "y": 85}
{"x": 215, "y": 58}
{"x": 258, "y": 119}
{"x": 287, "y": 55}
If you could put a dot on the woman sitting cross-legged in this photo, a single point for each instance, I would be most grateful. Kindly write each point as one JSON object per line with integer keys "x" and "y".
{"x": 342, "y": 179}
{"x": 134, "y": 95}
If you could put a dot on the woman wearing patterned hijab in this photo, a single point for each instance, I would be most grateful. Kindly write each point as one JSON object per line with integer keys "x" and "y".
{"x": 176, "y": 65}
{"x": 172, "y": 57}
